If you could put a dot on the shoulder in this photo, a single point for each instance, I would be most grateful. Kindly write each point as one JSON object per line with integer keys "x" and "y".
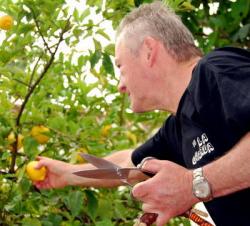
{"x": 225, "y": 60}
{"x": 227, "y": 52}
{"x": 220, "y": 64}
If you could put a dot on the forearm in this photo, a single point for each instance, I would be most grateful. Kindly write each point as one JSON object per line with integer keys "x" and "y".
{"x": 231, "y": 172}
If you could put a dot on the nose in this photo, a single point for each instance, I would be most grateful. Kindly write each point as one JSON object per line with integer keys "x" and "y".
{"x": 121, "y": 87}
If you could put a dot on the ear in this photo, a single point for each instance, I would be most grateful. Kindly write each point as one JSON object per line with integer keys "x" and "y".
{"x": 150, "y": 50}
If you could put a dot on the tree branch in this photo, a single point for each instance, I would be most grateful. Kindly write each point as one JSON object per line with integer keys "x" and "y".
{"x": 39, "y": 30}
{"x": 31, "y": 90}
{"x": 34, "y": 70}
{"x": 121, "y": 112}
{"x": 206, "y": 8}
{"x": 23, "y": 83}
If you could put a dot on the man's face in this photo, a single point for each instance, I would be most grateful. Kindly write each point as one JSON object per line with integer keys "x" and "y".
{"x": 135, "y": 79}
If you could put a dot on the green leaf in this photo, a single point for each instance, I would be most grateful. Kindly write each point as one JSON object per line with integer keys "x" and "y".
{"x": 30, "y": 147}
{"x": 241, "y": 9}
{"x": 85, "y": 14}
{"x": 31, "y": 222}
{"x": 98, "y": 46}
{"x": 76, "y": 14}
{"x": 95, "y": 57}
{"x": 52, "y": 220}
{"x": 92, "y": 203}
{"x": 81, "y": 61}
{"x": 5, "y": 56}
{"x": 242, "y": 33}
{"x": 107, "y": 64}
{"x": 105, "y": 222}
{"x": 74, "y": 202}
{"x": 103, "y": 34}
{"x": 110, "y": 49}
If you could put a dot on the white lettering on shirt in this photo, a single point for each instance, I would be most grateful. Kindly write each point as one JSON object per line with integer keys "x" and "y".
{"x": 204, "y": 147}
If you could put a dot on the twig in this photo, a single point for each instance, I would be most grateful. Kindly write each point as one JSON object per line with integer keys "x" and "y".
{"x": 21, "y": 82}
{"x": 39, "y": 30}
{"x": 31, "y": 90}
{"x": 206, "y": 8}
{"x": 121, "y": 116}
{"x": 34, "y": 70}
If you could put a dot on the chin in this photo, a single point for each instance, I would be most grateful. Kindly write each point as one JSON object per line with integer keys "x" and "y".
{"x": 139, "y": 109}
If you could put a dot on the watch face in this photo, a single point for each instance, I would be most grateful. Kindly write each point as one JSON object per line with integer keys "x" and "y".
{"x": 202, "y": 189}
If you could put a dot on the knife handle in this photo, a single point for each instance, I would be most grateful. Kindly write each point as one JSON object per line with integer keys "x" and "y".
{"x": 147, "y": 219}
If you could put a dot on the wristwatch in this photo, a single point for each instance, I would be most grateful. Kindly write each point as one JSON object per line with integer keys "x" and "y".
{"x": 201, "y": 187}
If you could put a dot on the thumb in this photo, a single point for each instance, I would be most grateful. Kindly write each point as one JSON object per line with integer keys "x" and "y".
{"x": 41, "y": 162}
{"x": 151, "y": 166}
{"x": 162, "y": 219}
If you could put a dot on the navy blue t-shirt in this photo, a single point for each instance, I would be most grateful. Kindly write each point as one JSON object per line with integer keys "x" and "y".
{"x": 213, "y": 114}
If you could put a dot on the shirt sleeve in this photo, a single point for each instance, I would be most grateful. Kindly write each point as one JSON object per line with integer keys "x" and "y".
{"x": 163, "y": 145}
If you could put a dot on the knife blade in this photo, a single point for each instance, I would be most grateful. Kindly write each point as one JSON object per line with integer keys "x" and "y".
{"x": 99, "y": 162}
{"x": 108, "y": 173}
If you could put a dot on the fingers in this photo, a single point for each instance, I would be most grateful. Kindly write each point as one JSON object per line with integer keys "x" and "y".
{"x": 152, "y": 165}
{"x": 161, "y": 218}
{"x": 42, "y": 161}
{"x": 42, "y": 184}
{"x": 139, "y": 191}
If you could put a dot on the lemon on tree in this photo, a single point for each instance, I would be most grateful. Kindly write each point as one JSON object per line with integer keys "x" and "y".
{"x": 105, "y": 130}
{"x": 35, "y": 174}
{"x": 40, "y": 134}
{"x": 76, "y": 157}
{"x": 132, "y": 137}
{"x": 11, "y": 140}
{"x": 6, "y": 22}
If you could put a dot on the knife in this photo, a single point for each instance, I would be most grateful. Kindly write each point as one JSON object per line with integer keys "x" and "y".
{"x": 108, "y": 170}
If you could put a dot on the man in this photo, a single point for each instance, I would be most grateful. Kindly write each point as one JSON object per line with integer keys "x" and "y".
{"x": 202, "y": 151}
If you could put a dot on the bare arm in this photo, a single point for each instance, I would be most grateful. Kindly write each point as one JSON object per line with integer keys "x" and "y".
{"x": 60, "y": 174}
{"x": 231, "y": 172}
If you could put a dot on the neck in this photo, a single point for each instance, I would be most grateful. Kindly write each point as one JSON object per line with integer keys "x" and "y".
{"x": 179, "y": 76}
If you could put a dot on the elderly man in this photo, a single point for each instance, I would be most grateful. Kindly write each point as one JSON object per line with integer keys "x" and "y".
{"x": 202, "y": 151}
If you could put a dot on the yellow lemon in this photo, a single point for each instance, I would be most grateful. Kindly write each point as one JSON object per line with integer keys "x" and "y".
{"x": 39, "y": 134}
{"x": 105, "y": 130}
{"x": 79, "y": 158}
{"x": 35, "y": 174}
{"x": 131, "y": 2}
{"x": 132, "y": 137}
{"x": 6, "y": 22}
{"x": 11, "y": 139}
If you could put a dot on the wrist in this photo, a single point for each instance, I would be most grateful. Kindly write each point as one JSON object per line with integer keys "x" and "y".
{"x": 70, "y": 178}
{"x": 193, "y": 199}
{"x": 201, "y": 187}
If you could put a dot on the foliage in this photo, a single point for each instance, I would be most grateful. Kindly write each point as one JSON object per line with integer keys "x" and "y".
{"x": 47, "y": 78}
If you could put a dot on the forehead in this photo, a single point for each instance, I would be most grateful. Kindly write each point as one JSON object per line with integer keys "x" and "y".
{"x": 120, "y": 50}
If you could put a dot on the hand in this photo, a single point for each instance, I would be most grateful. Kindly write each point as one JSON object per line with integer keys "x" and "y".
{"x": 58, "y": 173}
{"x": 168, "y": 193}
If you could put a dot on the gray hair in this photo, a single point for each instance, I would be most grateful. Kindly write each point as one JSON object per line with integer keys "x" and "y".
{"x": 160, "y": 22}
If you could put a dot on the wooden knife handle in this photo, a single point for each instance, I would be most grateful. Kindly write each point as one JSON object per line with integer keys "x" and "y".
{"x": 147, "y": 219}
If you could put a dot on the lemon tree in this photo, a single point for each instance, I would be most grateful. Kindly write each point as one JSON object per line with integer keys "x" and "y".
{"x": 58, "y": 97}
